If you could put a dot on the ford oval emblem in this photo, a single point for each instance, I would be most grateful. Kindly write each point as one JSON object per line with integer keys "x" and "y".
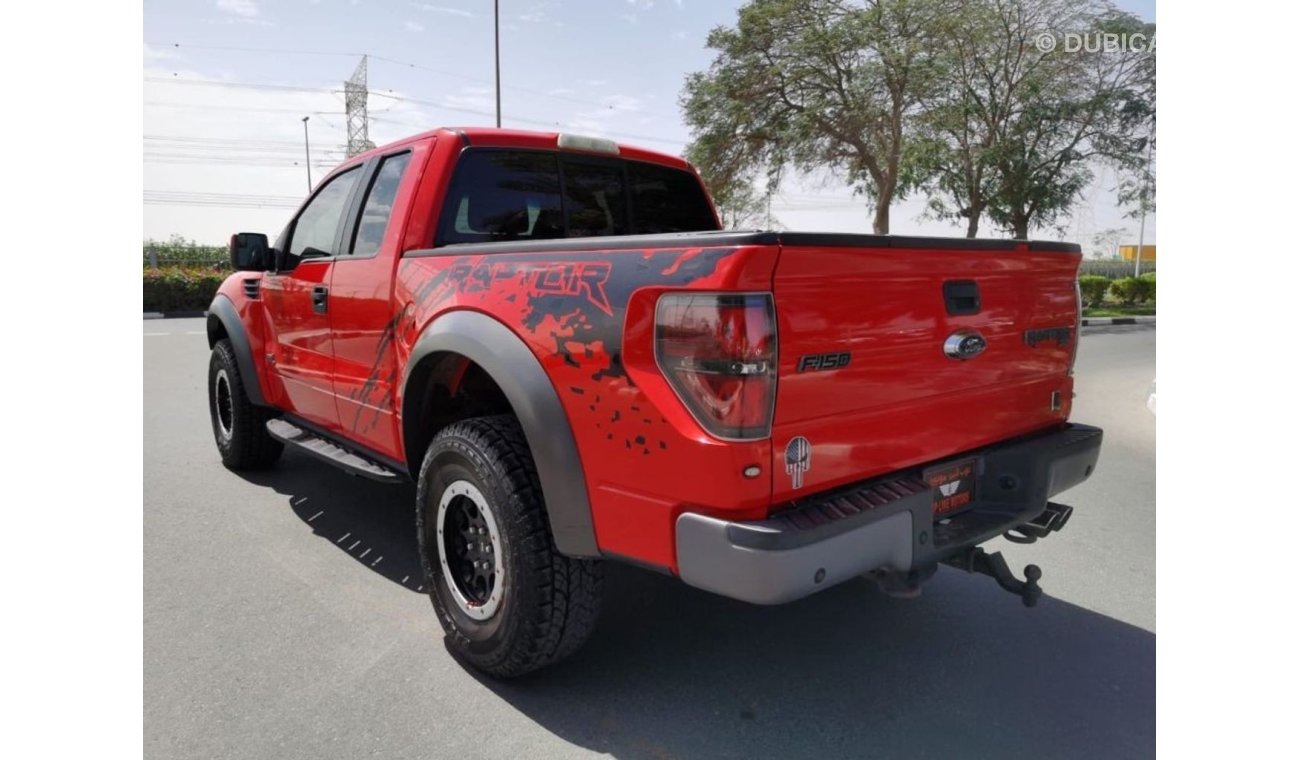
{"x": 964, "y": 344}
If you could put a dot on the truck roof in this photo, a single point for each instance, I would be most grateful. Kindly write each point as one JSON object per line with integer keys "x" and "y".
{"x": 521, "y": 138}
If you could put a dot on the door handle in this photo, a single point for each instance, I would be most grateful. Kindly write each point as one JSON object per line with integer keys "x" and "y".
{"x": 320, "y": 299}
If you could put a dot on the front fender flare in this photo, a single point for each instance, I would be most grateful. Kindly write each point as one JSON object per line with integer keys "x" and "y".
{"x": 223, "y": 311}
{"x": 516, "y": 370}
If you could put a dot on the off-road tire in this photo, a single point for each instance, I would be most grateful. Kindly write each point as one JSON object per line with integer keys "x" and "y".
{"x": 549, "y": 602}
{"x": 238, "y": 425}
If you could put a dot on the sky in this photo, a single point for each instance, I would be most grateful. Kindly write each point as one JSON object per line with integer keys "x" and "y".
{"x": 227, "y": 83}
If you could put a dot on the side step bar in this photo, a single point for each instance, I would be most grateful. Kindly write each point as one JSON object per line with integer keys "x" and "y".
{"x": 324, "y": 449}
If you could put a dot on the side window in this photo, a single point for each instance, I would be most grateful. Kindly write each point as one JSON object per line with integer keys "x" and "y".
{"x": 379, "y": 205}
{"x": 502, "y": 195}
{"x": 595, "y": 199}
{"x": 319, "y": 222}
{"x": 667, "y": 200}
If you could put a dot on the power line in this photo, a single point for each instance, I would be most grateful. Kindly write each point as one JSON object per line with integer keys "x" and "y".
{"x": 210, "y": 107}
{"x": 240, "y": 85}
{"x": 541, "y": 122}
{"x": 421, "y": 67}
{"x": 226, "y": 200}
{"x": 406, "y": 99}
{"x": 213, "y": 140}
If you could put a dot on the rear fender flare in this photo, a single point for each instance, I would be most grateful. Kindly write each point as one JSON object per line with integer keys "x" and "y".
{"x": 532, "y": 396}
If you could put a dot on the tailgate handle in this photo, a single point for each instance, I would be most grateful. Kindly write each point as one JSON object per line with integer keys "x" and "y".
{"x": 961, "y": 297}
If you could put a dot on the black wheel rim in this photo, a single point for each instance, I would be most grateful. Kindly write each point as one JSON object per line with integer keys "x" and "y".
{"x": 468, "y": 549}
{"x": 224, "y": 404}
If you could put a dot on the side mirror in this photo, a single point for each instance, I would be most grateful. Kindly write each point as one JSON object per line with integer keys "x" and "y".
{"x": 250, "y": 252}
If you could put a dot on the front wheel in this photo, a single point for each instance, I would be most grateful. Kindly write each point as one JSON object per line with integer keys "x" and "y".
{"x": 238, "y": 425}
{"x": 508, "y": 601}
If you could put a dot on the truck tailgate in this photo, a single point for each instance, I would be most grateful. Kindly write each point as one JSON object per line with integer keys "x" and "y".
{"x": 863, "y": 374}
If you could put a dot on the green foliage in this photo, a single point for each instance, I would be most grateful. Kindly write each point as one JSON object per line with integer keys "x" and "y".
{"x": 178, "y": 251}
{"x": 1130, "y": 145}
{"x": 1093, "y": 288}
{"x": 950, "y": 96}
{"x": 814, "y": 85}
{"x": 179, "y": 289}
{"x": 1134, "y": 290}
{"x": 1070, "y": 109}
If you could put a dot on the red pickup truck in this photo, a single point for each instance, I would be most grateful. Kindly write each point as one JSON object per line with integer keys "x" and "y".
{"x": 553, "y": 338}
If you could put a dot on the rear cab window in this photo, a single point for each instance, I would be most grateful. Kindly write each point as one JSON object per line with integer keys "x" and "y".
{"x": 503, "y": 195}
{"x": 378, "y": 206}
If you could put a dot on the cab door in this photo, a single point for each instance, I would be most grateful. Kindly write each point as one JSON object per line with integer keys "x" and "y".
{"x": 361, "y": 301}
{"x": 298, "y": 303}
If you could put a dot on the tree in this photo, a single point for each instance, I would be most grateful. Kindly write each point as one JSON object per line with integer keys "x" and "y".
{"x": 1014, "y": 125}
{"x": 731, "y": 184}
{"x": 1073, "y": 108}
{"x": 742, "y": 207}
{"x": 1131, "y": 147}
{"x": 816, "y": 84}
{"x": 962, "y": 118}
{"x": 1105, "y": 244}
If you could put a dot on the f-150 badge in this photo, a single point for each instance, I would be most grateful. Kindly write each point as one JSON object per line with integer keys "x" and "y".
{"x": 798, "y": 460}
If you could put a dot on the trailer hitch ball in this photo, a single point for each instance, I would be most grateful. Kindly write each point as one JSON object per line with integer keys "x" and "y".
{"x": 1031, "y": 591}
{"x": 976, "y": 560}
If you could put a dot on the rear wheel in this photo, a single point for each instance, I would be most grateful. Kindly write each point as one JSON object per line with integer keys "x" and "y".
{"x": 508, "y": 601}
{"x": 238, "y": 425}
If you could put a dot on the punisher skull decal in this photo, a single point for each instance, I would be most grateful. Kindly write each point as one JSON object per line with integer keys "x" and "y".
{"x": 798, "y": 459}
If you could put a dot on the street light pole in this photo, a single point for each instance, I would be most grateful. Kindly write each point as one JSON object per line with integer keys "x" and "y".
{"x": 496, "y": 32}
{"x": 1142, "y": 229}
{"x": 307, "y": 145}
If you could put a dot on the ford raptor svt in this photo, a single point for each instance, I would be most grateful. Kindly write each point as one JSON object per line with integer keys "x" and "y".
{"x": 553, "y": 338}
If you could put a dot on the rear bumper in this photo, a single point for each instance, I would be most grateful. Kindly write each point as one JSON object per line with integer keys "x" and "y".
{"x": 883, "y": 523}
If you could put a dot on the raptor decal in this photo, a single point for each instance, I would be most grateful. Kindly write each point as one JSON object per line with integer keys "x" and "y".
{"x": 569, "y": 307}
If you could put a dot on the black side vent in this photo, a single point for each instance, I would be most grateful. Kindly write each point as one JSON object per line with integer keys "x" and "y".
{"x": 252, "y": 288}
{"x": 961, "y": 297}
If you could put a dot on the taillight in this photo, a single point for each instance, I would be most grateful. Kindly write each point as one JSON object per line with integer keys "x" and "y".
{"x": 1078, "y": 325}
{"x": 718, "y": 351}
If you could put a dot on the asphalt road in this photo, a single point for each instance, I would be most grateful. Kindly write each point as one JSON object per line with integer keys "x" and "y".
{"x": 284, "y": 618}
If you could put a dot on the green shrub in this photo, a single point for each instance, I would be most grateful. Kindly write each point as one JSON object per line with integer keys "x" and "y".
{"x": 1093, "y": 288}
{"x": 179, "y": 252}
{"x": 177, "y": 289}
{"x": 1146, "y": 288}
{"x": 1131, "y": 290}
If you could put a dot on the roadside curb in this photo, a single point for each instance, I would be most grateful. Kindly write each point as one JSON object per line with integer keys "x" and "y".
{"x": 174, "y": 314}
{"x": 1094, "y": 321}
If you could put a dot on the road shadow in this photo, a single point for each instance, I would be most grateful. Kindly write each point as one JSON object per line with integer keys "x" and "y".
{"x": 963, "y": 672}
{"x": 373, "y": 523}
{"x": 672, "y": 672}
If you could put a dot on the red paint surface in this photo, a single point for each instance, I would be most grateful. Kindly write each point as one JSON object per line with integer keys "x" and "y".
{"x": 588, "y": 317}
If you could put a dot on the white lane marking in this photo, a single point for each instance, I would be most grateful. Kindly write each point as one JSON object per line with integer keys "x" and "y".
{"x": 407, "y": 578}
{"x": 363, "y": 554}
{"x": 350, "y": 548}
{"x": 376, "y": 562}
{"x": 343, "y": 538}
{"x": 318, "y": 514}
